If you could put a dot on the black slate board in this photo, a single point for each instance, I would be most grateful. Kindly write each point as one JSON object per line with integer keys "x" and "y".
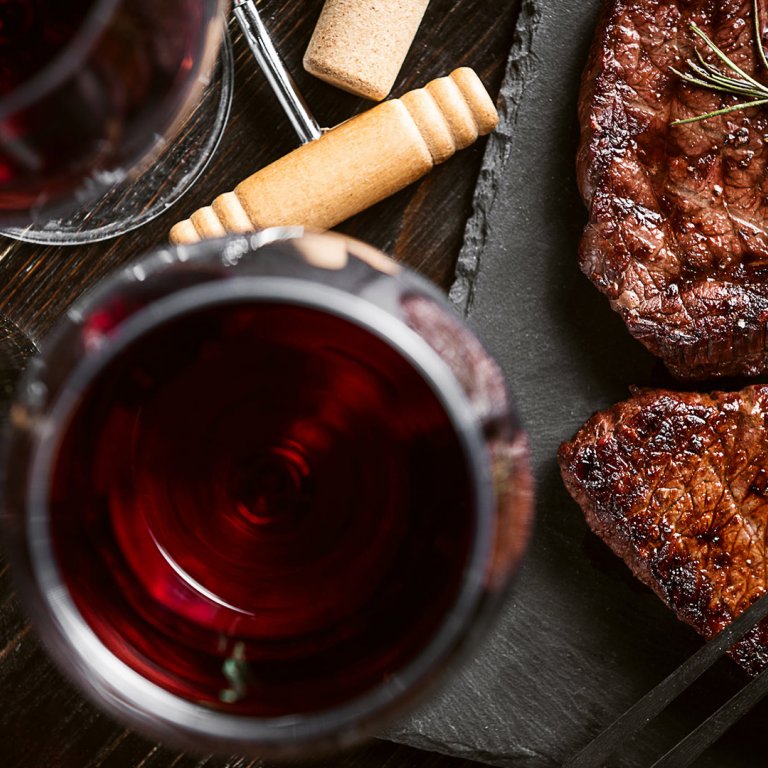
{"x": 580, "y": 640}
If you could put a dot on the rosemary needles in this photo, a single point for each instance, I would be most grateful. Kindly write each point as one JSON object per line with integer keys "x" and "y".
{"x": 736, "y": 83}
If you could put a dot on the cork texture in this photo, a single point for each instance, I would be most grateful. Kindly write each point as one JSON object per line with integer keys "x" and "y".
{"x": 360, "y": 45}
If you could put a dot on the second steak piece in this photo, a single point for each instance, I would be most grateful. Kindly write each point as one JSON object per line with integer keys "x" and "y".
{"x": 677, "y": 485}
{"x": 676, "y": 237}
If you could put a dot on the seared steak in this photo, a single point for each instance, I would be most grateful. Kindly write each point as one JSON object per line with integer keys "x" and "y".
{"x": 677, "y": 215}
{"x": 677, "y": 485}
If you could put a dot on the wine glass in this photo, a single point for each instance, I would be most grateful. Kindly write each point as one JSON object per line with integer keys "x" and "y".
{"x": 262, "y": 493}
{"x": 93, "y": 94}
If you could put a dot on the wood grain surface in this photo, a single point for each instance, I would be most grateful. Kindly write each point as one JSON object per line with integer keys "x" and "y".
{"x": 43, "y": 720}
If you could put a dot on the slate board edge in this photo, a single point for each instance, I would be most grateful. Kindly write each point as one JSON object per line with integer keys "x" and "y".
{"x": 519, "y": 68}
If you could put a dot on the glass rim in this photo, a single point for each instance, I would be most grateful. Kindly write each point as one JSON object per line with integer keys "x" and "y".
{"x": 132, "y": 697}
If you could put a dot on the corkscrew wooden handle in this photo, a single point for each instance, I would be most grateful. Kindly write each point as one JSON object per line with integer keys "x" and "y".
{"x": 354, "y": 165}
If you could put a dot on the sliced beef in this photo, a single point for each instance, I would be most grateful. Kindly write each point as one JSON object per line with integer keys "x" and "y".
{"x": 676, "y": 237}
{"x": 677, "y": 485}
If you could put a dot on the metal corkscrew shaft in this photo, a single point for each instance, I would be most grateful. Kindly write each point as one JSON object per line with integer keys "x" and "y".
{"x": 277, "y": 75}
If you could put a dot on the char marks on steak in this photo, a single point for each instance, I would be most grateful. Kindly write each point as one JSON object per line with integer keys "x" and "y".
{"x": 676, "y": 236}
{"x": 677, "y": 485}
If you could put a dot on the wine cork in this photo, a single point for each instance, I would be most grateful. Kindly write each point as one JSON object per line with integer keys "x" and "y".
{"x": 360, "y": 45}
{"x": 355, "y": 165}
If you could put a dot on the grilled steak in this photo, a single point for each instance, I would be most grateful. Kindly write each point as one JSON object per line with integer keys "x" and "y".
{"x": 677, "y": 485}
{"x": 677, "y": 215}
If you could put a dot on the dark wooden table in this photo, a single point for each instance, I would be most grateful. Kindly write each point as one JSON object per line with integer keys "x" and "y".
{"x": 43, "y": 721}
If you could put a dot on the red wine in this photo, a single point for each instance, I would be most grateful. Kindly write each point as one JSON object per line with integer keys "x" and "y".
{"x": 261, "y": 507}
{"x": 32, "y": 33}
{"x": 86, "y": 88}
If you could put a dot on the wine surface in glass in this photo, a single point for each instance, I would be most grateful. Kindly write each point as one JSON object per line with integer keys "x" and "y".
{"x": 32, "y": 33}
{"x": 88, "y": 91}
{"x": 262, "y": 507}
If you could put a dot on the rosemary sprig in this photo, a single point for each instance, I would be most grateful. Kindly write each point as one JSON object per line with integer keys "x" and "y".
{"x": 739, "y": 83}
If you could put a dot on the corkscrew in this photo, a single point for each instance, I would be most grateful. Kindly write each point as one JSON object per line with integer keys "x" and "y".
{"x": 339, "y": 172}
{"x": 278, "y": 77}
